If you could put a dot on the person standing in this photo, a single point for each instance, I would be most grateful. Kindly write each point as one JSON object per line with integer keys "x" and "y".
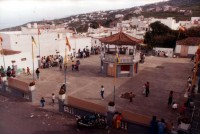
{"x": 131, "y": 96}
{"x": 161, "y": 126}
{"x": 53, "y": 98}
{"x": 118, "y": 120}
{"x": 170, "y": 99}
{"x": 28, "y": 71}
{"x": 42, "y": 101}
{"x": 102, "y": 92}
{"x": 147, "y": 89}
{"x": 37, "y": 73}
{"x": 154, "y": 125}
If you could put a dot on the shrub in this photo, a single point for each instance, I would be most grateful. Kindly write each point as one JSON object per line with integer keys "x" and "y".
{"x": 32, "y": 83}
{"x": 111, "y": 103}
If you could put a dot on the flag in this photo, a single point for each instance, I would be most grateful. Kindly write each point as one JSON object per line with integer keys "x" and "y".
{"x": 39, "y": 31}
{"x": 33, "y": 41}
{"x": 117, "y": 58}
{"x": 181, "y": 28}
{"x": 67, "y": 44}
{"x": 1, "y": 40}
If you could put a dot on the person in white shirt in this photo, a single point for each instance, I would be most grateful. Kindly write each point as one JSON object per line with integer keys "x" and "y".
{"x": 53, "y": 98}
{"x": 102, "y": 92}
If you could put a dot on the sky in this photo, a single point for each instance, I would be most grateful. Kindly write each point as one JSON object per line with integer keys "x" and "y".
{"x": 18, "y": 12}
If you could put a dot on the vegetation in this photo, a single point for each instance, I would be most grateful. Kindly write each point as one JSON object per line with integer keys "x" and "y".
{"x": 162, "y": 36}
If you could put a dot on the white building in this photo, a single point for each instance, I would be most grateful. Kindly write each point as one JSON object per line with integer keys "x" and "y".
{"x": 48, "y": 42}
{"x": 170, "y": 22}
{"x": 195, "y": 20}
{"x": 119, "y": 16}
{"x": 21, "y": 60}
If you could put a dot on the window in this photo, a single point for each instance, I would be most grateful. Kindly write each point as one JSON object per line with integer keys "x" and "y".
{"x": 23, "y": 59}
{"x": 125, "y": 68}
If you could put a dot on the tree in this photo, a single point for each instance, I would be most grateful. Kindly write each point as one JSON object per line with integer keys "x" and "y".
{"x": 160, "y": 35}
{"x": 94, "y": 24}
{"x": 193, "y": 32}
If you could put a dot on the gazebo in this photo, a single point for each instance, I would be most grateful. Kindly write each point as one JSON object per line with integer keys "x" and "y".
{"x": 118, "y": 55}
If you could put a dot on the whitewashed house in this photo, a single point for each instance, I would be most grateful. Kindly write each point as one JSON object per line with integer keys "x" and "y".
{"x": 48, "y": 42}
{"x": 17, "y": 59}
{"x": 187, "y": 47}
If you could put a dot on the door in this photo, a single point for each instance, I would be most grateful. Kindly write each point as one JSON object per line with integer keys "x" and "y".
{"x": 184, "y": 51}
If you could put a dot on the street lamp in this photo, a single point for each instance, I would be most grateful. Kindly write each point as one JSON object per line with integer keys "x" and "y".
{"x": 115, "y": 68}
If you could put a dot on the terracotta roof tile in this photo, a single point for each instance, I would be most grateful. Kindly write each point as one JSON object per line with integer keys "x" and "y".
{"x": 9, "y": 52}
{"x": 120, "y": 39}
{"x": 190, "y": 41}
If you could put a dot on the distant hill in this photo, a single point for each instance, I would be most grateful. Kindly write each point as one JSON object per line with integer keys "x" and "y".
{"x": 179, "y": 9}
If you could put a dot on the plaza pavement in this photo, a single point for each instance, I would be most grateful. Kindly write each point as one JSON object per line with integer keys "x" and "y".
{"x": 164, "y": 74}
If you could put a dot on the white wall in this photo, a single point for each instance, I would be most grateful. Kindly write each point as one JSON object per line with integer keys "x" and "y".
{"x": 192, "y": 49}
{"x": 76, "y": 43}
{"x": 170, "y": 22}
{"x": 95, "y": 42}
{"x": 169, "y": 51}
{"x": 6, "y": 41}
{"x": 178, "y": 49}
{"x": 22, "y": 42}
{"x": 20, "y": 64}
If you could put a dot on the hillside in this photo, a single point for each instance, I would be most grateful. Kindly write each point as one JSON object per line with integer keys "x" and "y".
{"x": 179, "y": 9}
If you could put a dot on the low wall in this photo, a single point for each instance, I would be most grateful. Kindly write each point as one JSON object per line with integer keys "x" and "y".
{"x": 17, "y": 88}
{"x": 131, "y": 122}
{"x": 85, "y": 105}
{"x": 20, "y": 85}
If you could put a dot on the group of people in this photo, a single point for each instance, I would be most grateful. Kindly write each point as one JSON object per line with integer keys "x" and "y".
{"x": 10, "y": 72}
{"x": 95, "y": 49}
{"x": 83, "y": 54}
{"x": 42, "y": 101}
{"x": 51, "y": 61}
{"x": 116, "y": 122}
{"x": 146, "y": 89}
{"x": 158, "y": 127}
{"x": 161, "y": 53}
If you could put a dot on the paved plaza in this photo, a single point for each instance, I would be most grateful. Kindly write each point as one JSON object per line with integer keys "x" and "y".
{"x": 164, "y": 75}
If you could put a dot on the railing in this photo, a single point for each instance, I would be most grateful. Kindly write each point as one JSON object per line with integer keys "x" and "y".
{"x": 122, "y": 59}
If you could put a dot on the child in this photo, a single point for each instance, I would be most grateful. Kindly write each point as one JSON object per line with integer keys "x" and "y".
{"x": 53, "y": 98}
{"x": 42, "y": 101}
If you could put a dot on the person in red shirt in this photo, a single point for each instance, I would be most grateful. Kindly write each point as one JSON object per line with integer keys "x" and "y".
{"x": 118, "y": 120}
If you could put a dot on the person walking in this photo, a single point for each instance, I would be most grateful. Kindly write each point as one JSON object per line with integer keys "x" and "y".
{"x": 170, "y": 98}
{"x": 28, "y": 71}
{"x": 53, "y": 98}
{"x": 102, "y": 92}
{"x": 37, "y": 73}
{"x": 147, "y": 89}
{"x": 42, "y": 101}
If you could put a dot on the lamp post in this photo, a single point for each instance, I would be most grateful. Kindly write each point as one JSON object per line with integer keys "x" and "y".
{"x": 2, "y": 53}
{"x": 115, "y": 69}
{"x": 65, "y": 68}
